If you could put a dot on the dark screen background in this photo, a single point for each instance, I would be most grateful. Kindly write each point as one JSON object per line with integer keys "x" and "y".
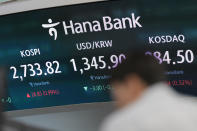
{"x": 23, "y": 31}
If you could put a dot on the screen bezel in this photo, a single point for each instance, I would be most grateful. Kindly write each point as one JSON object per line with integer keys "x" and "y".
{"x": 59, "y": 6}
{"x": 58, "y": 109}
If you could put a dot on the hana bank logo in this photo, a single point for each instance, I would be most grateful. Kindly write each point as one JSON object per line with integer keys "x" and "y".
{"x": 50, "y": 26}
{"x": 107, "y": 24}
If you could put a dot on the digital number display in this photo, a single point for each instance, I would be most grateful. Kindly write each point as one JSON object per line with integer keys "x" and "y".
{"x": 93, "y": 63}
{"x": 35, "y": 70}
{"x": 182, "y": 56}
{"x": 65, "y": 55}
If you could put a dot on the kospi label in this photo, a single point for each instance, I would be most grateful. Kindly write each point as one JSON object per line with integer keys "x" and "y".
{"x": 30, "y": 52}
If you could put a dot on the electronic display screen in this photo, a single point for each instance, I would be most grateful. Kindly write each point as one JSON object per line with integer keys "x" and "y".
{"x": 64, "y": 55}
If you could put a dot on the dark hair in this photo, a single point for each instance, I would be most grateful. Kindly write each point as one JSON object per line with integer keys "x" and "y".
{"x": 145, "y": 66}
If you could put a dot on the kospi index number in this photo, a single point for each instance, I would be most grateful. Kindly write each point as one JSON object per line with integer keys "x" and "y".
{"x": 36, "y": 70}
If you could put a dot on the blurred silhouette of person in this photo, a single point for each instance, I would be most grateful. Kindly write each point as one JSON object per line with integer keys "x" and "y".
{"x": 144, "y": 100}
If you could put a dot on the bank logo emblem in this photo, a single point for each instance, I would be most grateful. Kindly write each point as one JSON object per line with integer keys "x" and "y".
{"x": 50, "y": 26}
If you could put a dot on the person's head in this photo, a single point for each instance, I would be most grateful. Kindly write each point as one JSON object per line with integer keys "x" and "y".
{"x": 133, "y": 76}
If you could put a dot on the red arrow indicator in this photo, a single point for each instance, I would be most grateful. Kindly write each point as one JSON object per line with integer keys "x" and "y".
{"x": 28, "y": 96}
